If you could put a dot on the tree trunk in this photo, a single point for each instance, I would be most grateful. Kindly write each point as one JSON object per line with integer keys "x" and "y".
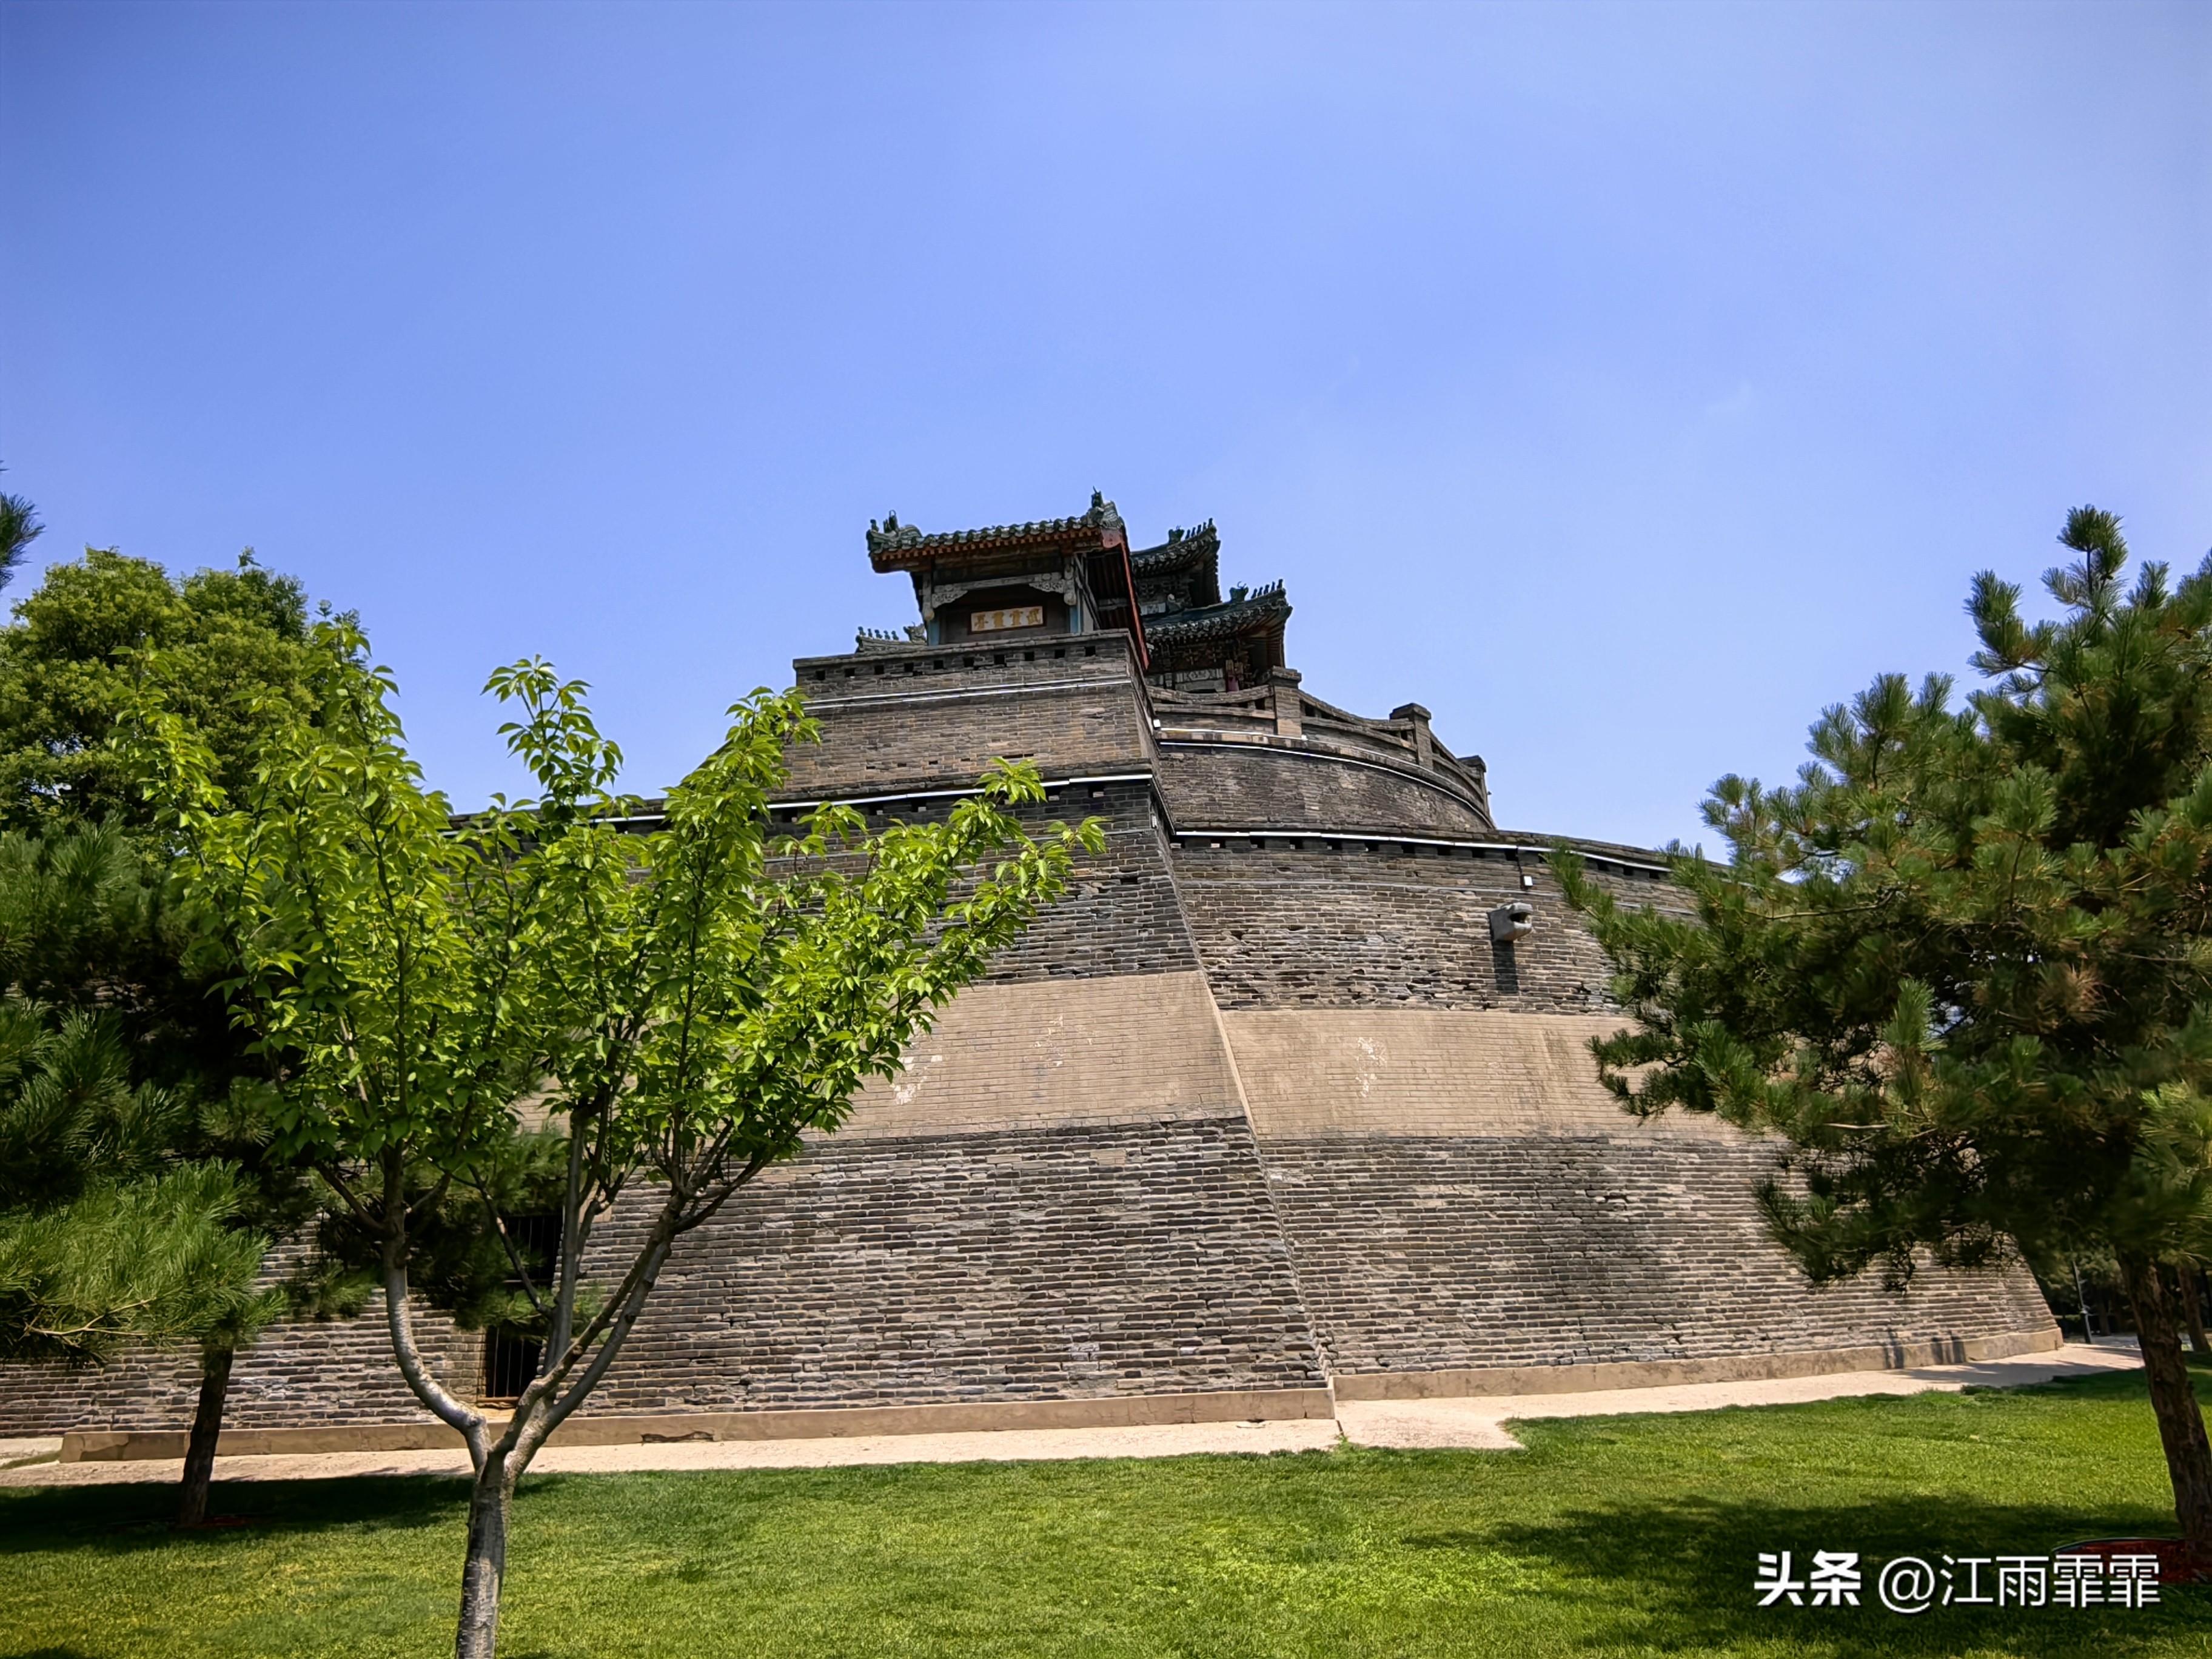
{"x": 485, "y": 1570}
{"x": 207, "y": 1424}
{"x": 2180, "y": 1420}
{"x": 2192, "y": 1309}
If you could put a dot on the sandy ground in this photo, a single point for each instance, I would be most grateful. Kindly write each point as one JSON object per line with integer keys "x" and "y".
{"x": 1472, "y": 1423}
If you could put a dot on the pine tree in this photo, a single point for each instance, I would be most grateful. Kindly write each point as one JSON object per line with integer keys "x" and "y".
{"x": 19, "y": 528}
{"x": 134, "y": 1205}
{"x": 1963, "y": 968}
{"x": 107, "y": 1233}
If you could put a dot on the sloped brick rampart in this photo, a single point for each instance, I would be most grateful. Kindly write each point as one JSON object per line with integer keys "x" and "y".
{"x": 1084, "y": 1261}
{"x": 1431, "y": 1253}
{"x": 1461, "y": 1194}
{"x": 1398, "y": 1167}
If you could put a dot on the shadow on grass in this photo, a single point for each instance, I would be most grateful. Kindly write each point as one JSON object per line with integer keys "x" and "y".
{"x": 120, "y": 1520}
{"x": 1682, "y": 1573}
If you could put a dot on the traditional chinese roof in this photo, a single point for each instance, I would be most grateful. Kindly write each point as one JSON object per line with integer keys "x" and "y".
{"x": 1181, "y": 574}
{"x": 896, "y": 546}
{"x": 1182, "y": 549}
{"x": 1263, "y": 611}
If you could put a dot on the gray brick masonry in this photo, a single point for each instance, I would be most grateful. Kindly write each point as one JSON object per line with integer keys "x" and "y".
{"x": 1259, "y": 1103}
{"x": 1468, "y": 1252}
{"x": 1082, "y": 1262}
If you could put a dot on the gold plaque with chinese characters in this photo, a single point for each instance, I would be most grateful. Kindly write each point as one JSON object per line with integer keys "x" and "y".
{"x": 997, "y": 621}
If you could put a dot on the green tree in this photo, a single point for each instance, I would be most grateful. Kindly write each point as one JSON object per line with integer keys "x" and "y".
{"x": 227, "y": 647}
{"x": 216, "y": 644}
{"x": 1964, "y": 966}
{"x": 137, "y": 1195}
{"x": 19, "y": 528}
{"x": 88, "y": 930}
{"x": 688, "y": 1001}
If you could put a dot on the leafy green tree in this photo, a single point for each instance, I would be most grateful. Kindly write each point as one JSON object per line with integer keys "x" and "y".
{"x": 219, "y": 645}
{"x": 689, "y": 1002}
{"x": 1964, "y": 966}
{"x": 225, "y": 647}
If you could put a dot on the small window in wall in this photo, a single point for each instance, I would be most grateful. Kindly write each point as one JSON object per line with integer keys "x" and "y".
{"x": 510, "y": 1360}
{"x": 511, "y": 1352}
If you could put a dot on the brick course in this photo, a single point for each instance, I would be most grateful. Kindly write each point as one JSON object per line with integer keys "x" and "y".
{"x": 1032, "y": 1055}
{"x": 887, "y": 728}
{"x": 1078, "y": 1262}
{"x": 1121, "y": 914}
{"x": 1312, "y": 1072}
{"x": 301, "y": 1373}
{"x": 1436, "y": 1253}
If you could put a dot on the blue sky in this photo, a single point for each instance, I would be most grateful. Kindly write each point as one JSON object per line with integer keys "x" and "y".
{"x": 1623, "y": 383}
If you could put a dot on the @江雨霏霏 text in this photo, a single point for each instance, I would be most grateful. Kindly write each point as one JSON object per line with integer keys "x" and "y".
{"x": 1911, "y": 1584}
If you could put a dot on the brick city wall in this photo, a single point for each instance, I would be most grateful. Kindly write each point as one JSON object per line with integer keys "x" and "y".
{"x": 1435, "y": 1253}
{"x": 1075, "y": 1262}
{"x": 1462, "y": 1193}
{"x": 1064, "y": 1195}
{"x": 1223, "y": 786}
{"x": 1306, "y": 922}
{"x": 301, "y": 1373}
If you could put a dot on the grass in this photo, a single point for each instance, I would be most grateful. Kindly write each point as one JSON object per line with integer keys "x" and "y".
{"x": 1608, "y": 1536}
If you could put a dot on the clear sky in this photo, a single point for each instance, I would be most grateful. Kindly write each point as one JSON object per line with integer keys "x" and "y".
{"x": 1623, "y": 383}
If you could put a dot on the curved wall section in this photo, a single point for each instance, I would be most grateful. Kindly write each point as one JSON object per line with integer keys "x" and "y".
{"x": 1243, "y": 786}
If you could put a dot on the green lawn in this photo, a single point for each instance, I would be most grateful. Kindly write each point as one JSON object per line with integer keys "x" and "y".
{"x": 1614, "y": 1536}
